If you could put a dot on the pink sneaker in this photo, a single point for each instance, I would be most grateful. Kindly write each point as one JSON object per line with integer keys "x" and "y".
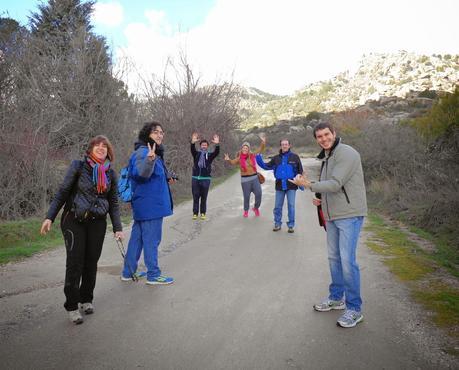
{"x": 256, "y": 211}
{"x": 246, "y": 214}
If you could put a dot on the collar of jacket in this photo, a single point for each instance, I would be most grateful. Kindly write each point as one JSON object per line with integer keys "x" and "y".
{"x": 335, "y": 144}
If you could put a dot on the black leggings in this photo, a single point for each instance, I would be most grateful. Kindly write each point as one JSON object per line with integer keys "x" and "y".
{"x": 83, "y": 242}
{"x": 200, "y": 189}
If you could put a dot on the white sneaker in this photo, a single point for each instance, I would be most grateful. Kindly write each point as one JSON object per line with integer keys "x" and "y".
{"x": 350, "y": 319}
{"x": 328, "y": 305}
{"x": 75, "y": 317}
{"x": 87, "y": 308}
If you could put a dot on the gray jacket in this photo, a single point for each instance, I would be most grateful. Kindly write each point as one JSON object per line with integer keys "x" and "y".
{"x": 341, "y": 183}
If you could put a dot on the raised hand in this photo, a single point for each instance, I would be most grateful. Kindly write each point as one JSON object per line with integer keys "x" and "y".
{"x": 194, "y": 137}
{"x": 262, "y": 138}
{"x": 151, "y": 155}
{"x": 216, "y": 139}
{"x": 226, "y": 156}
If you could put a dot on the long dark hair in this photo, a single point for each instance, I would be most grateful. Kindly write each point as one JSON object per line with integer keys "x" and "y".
{"x": 144, "y": 134}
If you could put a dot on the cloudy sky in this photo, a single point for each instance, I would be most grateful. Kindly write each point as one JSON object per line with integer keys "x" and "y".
{"x": 276, "y": 45}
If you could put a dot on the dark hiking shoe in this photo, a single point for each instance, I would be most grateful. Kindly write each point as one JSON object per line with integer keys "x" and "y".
{"x": 276, "y": 228}
{"x": 291, "y": 230}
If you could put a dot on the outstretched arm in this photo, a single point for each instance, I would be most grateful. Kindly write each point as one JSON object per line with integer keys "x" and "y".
{"x": 262, "y": 164}
{"x": 216, "y": 152}
{"x": 194, "y": 139}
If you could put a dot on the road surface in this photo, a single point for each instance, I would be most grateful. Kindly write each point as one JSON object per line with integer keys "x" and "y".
{"x": 242, "y": 299}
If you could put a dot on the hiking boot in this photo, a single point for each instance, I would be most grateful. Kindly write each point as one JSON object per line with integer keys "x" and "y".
{"x": 75, "y": 317}
{"x": 329, "y": 305}
{"x": 87, "y": 308}
{"x": 276, "y": 228}
{"x": 291, "y": 230}
{"x": 349, "y": 319}
{"x": 203, "y": 216}
{"x": 256, "y": 211}
{"x": 160, "y": 280}
{"x": 195, "y": 217}
{"x": 245, "y": 214}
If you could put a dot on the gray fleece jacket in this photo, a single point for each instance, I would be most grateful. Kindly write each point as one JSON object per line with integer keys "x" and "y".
{"x": 341, "y": 183}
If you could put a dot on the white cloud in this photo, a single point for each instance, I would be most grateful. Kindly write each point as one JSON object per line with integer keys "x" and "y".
{"x": 108, "y": 14}
{"x": 279, "y": 46}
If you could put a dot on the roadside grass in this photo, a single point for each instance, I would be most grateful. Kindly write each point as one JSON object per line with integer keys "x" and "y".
{"x": 21, "y": 239}
{"x": 431, "y": 285}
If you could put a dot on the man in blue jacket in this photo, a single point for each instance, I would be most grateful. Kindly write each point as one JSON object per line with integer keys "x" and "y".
{"x": 286, "y": 165}
{"x": 151, "y": 202}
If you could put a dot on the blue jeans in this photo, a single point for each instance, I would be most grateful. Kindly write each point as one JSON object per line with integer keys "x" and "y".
{"x": 279, "y": 203}
{"x": 146, "y": 236}
{"x": 342, "y": 240}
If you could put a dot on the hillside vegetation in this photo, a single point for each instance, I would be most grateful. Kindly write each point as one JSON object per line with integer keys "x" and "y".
{"x": 377, "y": 76}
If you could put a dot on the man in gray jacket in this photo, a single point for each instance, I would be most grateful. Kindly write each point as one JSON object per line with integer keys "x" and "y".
{"x": 343, "y": 200}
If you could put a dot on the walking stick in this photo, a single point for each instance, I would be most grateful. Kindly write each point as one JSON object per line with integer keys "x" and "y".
{"x": 120, "y": 245}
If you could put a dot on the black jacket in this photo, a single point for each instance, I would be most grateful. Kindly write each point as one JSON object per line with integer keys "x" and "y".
{"x": 204, "y": 172}
{"x": 80, "y": 196}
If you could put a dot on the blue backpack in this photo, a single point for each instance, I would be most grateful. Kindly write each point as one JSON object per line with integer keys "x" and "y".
{"x": 124, "y": 185}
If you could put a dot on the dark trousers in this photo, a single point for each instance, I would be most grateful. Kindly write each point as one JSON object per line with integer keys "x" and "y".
{"x": 83, "y": 242}
{"x": 200, "y": 189}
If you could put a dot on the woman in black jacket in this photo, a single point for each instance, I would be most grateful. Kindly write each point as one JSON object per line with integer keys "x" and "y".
{"x": 89, "y": 192}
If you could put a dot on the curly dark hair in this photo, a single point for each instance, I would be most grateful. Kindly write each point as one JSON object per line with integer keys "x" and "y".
{"x": 146, "y": 130}
{"x": 204, "y": 141}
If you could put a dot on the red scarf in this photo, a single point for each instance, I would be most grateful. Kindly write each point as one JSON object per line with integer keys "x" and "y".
{"x": 243, "y": 161}
{"x": 99, "y": 172}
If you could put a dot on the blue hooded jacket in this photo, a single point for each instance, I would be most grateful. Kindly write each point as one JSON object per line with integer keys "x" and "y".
{"x": 285, "y": 166}
{"x": 151, "y": 196}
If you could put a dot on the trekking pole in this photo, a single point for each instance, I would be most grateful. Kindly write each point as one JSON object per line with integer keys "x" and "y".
{"x": 120, "y": 245}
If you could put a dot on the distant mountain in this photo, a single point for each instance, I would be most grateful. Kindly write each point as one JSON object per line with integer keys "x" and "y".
{"x": 378, "y": 75}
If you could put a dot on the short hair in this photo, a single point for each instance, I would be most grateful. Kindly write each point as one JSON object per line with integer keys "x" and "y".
{"x": 284, "y": 139}
{"x": 203, "y": 141}
{"x": 101, "y": 139}
{"x": 323, "y": 126}
{"x": 146, "y": 130}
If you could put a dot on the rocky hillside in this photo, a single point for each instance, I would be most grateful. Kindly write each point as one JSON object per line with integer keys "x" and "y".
{"x": 401, "y": 75}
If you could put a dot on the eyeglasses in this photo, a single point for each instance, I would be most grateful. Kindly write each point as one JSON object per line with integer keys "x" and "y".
{"x": 158, "y": 132}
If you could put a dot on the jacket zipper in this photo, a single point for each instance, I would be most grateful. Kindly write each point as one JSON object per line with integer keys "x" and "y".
{"x": 345, "y": 194}
{"x": 326, "y": 176}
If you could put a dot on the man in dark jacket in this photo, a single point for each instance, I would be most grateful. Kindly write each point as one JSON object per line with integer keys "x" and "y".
{"x": 201, "y": 176}
{"x": 286, "y": 165}
{"x": 151, "y": 202}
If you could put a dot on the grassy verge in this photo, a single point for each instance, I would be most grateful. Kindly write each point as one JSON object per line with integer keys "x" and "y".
{"x": 431, "y": 285}
{"x": 19, "y": 239}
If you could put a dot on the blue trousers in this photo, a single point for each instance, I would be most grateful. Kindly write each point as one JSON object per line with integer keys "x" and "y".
{"x": 279, "y": 203}
{"x": 342, "y": 240}
{"x": 146, "y": 236}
